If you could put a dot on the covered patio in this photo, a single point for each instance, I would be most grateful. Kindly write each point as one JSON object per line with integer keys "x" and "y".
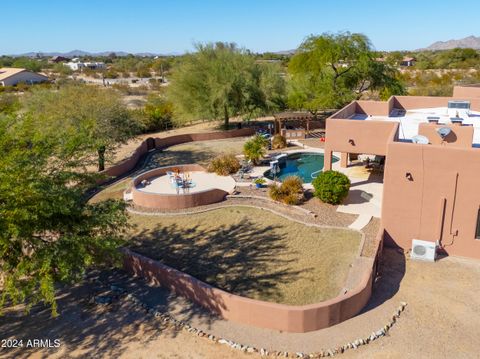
{"x": 298, "y": 125}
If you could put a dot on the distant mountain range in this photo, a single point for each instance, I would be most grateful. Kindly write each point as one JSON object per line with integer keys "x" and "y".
{"x": 80, "y": 53}
{"x": 467, "y": 42}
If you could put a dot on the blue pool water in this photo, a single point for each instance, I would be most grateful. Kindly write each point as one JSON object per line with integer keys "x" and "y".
{"x": 301, "y": 164}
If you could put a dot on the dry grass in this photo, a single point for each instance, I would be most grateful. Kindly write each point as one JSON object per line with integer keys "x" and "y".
{"x": 200, "y": 152}
{"x": 251, "y": 252}
{"x": 114, "y": 191}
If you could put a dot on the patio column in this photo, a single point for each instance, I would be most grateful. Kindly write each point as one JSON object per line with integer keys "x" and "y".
{"x": 327, "y": 160}
{"x": 344, "y": 159}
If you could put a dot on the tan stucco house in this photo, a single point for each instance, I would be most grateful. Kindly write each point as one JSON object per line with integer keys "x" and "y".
{"x": 10, "y": 76}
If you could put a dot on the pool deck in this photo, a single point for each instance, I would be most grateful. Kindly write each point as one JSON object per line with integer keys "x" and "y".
{"x": 202, "y": 180}
{"x": 365, "y": 195}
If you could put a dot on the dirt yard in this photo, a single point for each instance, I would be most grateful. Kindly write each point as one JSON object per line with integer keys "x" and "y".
{"x": 442, "y": 320}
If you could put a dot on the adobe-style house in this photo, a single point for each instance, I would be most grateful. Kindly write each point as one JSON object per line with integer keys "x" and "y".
{"x": 432, "y": 164}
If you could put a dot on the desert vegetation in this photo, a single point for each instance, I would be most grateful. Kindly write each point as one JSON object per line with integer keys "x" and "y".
{"x": 224, "y": 164}
{"x": 331, "y": 187}
{"x": 290, "y": 191}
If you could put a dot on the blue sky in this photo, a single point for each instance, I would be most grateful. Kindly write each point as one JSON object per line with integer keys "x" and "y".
{"x": 166, "y": 26}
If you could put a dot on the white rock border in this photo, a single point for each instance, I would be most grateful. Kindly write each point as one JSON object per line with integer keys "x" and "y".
{"x": 167, "y": 319}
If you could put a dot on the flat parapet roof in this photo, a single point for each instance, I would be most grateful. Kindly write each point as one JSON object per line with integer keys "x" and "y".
{"x": 410, "y": 120}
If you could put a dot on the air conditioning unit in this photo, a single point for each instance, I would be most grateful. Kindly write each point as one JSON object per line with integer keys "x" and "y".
{"x": 423, "y": 250}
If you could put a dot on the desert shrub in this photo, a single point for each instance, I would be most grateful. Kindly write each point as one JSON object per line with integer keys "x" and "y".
{"x": 157, "y": 115}
{"x": 289, "y": 192}
{"x": 9, "y": 103}
{"x": 224, "y": 164}
{"x": 255, "y": 148}
{"x": 111, "y": 74}
{"x": 278, "y": 142}
{"x": 331, "y": 187}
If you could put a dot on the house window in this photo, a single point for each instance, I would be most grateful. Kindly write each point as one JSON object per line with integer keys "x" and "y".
{"x": 477, "y": 231}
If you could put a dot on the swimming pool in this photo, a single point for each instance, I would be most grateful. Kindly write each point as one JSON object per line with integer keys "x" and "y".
{"x": 301, "y": 164}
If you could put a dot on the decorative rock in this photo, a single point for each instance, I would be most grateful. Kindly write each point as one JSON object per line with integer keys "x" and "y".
{"x": 165, "y": 318}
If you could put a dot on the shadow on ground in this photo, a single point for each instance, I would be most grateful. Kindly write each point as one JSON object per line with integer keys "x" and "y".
{"x": 392, "y": 267}
{"x": 241, "y": 258}
{"x": 232, "y": 256}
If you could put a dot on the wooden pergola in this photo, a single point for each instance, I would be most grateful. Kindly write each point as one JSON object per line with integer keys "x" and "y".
{"x": 282, "y": 117}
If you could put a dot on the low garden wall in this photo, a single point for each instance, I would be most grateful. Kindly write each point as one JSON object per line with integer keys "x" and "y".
{"x": 174, "y": 201}
{"x": 288, "y": 318}
{"x": 130, "y": 163}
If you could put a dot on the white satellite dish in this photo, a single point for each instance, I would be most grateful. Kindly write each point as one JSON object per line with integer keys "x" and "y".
{"x": 443, "y": 132}
{"x": 422, "y": 140}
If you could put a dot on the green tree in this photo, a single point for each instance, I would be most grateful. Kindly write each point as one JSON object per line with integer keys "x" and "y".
{"x": 48, "y": 232}
{"x": 255, "y": 148}
{"x": 157, "y": 114}
{"x": 219, "y": 80}
{"x": 330, "y": 70}
{"x": 29, "y": 64}
{"x": 94, "y": 117}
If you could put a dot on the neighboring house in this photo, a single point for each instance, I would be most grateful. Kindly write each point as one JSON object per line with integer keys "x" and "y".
{"x": 94, "y": 65}
{"x": 408, "y": 61}
{"x": 10, "y": 76}
{"x": 77, "y": 65}
{"x": 57, "y": 59}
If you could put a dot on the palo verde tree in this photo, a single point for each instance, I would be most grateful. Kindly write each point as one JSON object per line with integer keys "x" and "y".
{"x": 48, "y": 231}
{"x": 94, "y": 116}
{"x": 221, "y": 81}
{"x": 330, "y": 70}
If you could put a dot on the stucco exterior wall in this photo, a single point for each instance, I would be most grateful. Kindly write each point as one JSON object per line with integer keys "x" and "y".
{"x": 416, "y": 102}
{"x": 466, "y": 91}
{"x": 369, "y": 137}
{"x": 375, "y": 108}
{"x": 174, "y": 201}
{"x": 460, "y": 136}
{"x": 439, "y": 203}
{"x": 347, "y": 111}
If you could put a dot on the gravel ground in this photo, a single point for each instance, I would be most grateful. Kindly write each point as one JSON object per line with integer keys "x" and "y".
{"x": 441, "y": 320}
{"x": 326, "y": 214}
{"x": 371, "y": 231}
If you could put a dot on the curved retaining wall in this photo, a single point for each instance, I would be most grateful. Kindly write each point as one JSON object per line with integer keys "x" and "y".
{"x": 288, "y": 318}
{"x": 174, "y": 201}
{"x": 129, "y": 164}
